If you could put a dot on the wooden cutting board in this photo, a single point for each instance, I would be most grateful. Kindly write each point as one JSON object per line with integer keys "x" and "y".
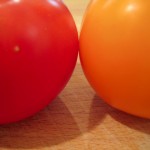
{"x": 78, "y": 119}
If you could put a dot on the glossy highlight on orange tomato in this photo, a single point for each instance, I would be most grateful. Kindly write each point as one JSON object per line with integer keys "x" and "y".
{"x": 115, "y": 53}
{"x": 38, "y": 52}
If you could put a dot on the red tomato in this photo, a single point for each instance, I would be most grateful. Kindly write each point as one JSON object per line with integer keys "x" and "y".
{"x": 38, "y": 52}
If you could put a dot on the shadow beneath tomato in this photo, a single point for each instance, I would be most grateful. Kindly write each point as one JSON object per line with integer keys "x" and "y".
{"x": 97, "y": 113}
{"x": 99, "y": 109}
{"x": 133, "y": 122}
{"x": 49, "y": 127}
{"x": 136, "y": 123}
{"x": 72, "y": 114}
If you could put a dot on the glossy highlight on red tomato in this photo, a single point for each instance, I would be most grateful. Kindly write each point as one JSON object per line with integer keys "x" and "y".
{"x": 38, "y": 52}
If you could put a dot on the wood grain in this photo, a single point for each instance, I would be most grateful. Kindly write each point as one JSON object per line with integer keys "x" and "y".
{"x": 77, "y": 119}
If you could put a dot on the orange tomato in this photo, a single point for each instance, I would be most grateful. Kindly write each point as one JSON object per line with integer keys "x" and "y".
{"x": 115, "y": 53}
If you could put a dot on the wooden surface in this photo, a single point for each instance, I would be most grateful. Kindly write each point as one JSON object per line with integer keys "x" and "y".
{"x": 78, "y": 119}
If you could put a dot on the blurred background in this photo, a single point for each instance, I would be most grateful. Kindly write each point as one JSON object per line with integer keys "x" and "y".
{"x": 77, "y": 8}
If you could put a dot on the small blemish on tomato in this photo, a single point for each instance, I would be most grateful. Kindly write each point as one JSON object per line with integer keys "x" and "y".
{"x": 17, "y": 48}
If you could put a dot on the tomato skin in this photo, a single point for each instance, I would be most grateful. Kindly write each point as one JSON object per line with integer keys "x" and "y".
{"x": 115, "y": 53}
{"x": 38, "y": 52}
